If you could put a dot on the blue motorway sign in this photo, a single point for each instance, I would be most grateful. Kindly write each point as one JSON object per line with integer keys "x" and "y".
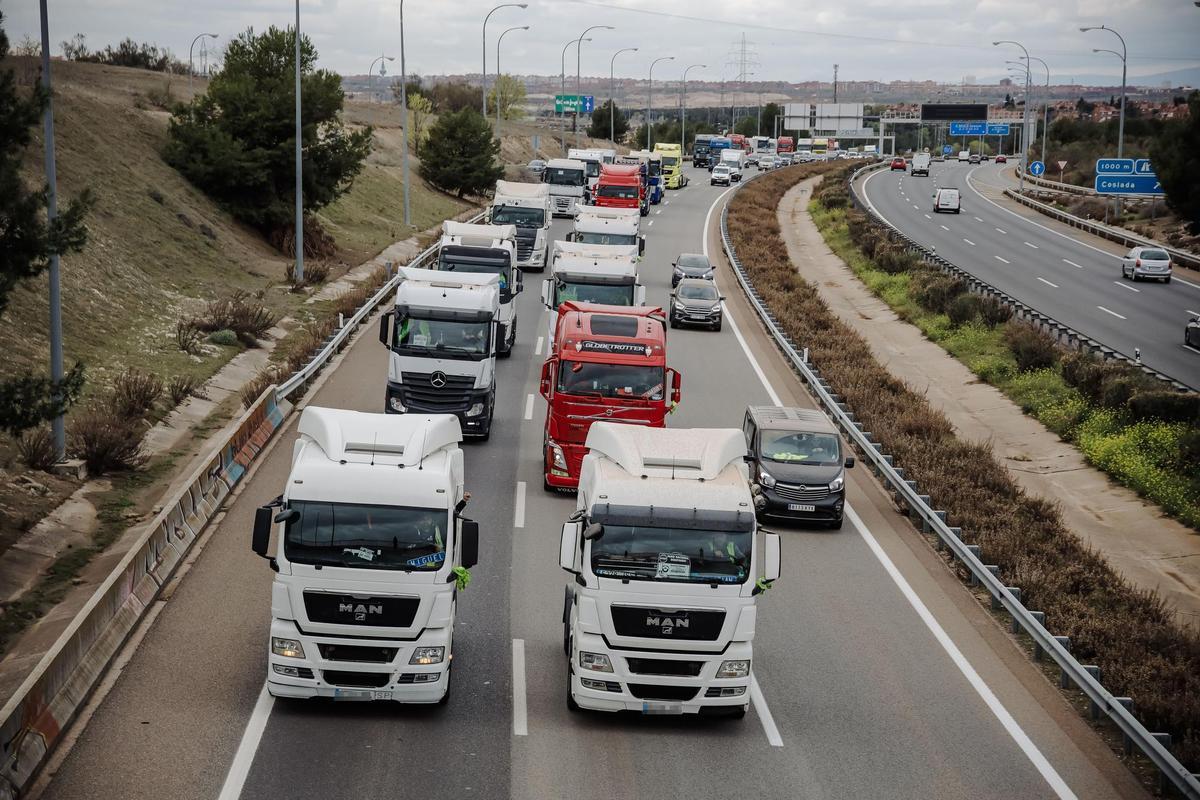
{"x": 1142, "y": 166}
{"x": 1128, "y": 184}
{"x": 947, "y": 149}
{"x": 1036, "y": 169}
{"x": 1115, "y": 166}
{"x": 997, "y": 129}
{"x": 968, "y": 128}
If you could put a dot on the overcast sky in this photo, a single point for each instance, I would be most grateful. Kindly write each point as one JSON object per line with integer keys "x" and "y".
{"x": 942, "y": 40}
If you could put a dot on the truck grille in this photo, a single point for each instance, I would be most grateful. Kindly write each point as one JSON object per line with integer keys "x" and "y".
{"x": 366, "y": 680}
{"x": 357, "y": 653}
{"x": 649, "y": 691}
{"x": 346, "y": 609}
{"x": 661, "y": 666}
{"x": 526, "y": 238}
{"x": 420, "y": 394}
{"x": 801, "y": 492}
{"x": 653, "y": 623}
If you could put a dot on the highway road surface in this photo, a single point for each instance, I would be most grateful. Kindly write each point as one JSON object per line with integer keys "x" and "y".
{"x": 1068, "y": 275}
{"x": 878, "y": 675}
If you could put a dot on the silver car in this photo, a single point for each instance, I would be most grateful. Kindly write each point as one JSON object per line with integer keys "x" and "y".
{"x": 1146, "y": 262}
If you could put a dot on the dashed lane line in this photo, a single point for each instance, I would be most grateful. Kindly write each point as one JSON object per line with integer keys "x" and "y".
{"x": 1127, "y": 286}
{"x": 1048, "y": 283}
{"x": 1005, "y": 260}
{"x": 1115, "y": 314}
{"x": 968, "y": 241}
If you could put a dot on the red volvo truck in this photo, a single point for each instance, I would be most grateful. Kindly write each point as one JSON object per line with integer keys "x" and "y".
{"x": 786, "y": 144}
{"x": 621, "y": 186}
{"x": 608, "y": 363}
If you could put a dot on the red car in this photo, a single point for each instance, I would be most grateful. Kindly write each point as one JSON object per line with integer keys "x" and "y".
{"x": 1001, "y": 159}
{"x": 898, "y": 164}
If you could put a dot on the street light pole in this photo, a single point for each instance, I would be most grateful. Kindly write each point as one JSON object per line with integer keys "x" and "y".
{"x": 192, "y": 69}
{"x": 485, "y": 22}
{"x": 1024, "y": 161}
{"x": 562, "y": 78}
{"x": 612, "y": 91}
{"x": 578, "y": 85}
{"x": 1124, "y": 56}
{"x": 649, "y": 103}
{"x": 683, "y": 112}
{"x": 371, "y": 72}
{"x": 299, "y": 276}
{"x": 498, "y": 73}
{"x": 404, "y": 117}
{"x": 1045, "y": 107}
{"x": 57, "y": 427}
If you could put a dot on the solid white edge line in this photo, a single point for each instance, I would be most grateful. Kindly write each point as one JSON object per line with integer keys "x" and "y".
{"x": 537, "y": 350}
{"x": 1031, "y": 751}
{"x": 520, "y": 715}
{"x": 997, "y": 708}
{"x": 529, "y": 407}
{"x": 239, "y": 768}
{"x": 519, "y": 506}
{"x": 764, "y": 713}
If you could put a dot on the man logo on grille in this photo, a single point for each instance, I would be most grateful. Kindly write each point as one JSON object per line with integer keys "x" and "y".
{"x": 438, "y": 379}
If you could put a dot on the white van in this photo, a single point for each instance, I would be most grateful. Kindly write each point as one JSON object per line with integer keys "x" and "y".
{"x": 920, "y": 164}
{"x": 947, "y": 200}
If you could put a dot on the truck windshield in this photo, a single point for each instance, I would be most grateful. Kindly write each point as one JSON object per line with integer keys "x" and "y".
{"x": 445, "y": 338}
{"x": 623, "y": 192}
{"x": 520, "y": 216}
{"x": 367, "y": 536}
{"x": 669, "y": 161}
{"x": 623, "y": 381}
{"x": 593, "y": 169}
{"x": 604, "y": 237}
{"x": 608, "y": 294}
{"x": 672, "y": 554}
{"x": 448, "y": 263}
{"x": 565, "y": 177}
{"x": 800, "y": 447}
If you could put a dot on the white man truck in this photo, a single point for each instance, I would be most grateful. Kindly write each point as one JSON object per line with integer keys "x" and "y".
{"x": 568, "y": 182}
{"x": 668, "y": 565}
{"x": 594, "y": 159}
{"x": 525, "y": 206}
{"x": 441, "y": 335}
{"x": 371, "y": 551}
{"x": 608, "y": 226}
{"x": 492, "y": 250}
{"x": 591, "y": 273}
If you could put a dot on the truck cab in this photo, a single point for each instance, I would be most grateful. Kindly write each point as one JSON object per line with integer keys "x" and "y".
{"x": 609, "y": 363}
{"x": 667, "y": 567}
{"x": 786, "y": 144}
{"x": 491, "y": 250}
{"x": 584, "y": 273}
{"x": 608, "y": 226}
{"x": 716, "y": 145}
{"x": 654, "y": 176}
{"x": 527, "y": 207}
{"x": 441, "y": 337}
{"x": 620, "y": 186}
{"x": 700, "y": 149}
{"x": 370, "y": 541}
{"x": 672, "y": 165}
{"x": 568, "y": 183}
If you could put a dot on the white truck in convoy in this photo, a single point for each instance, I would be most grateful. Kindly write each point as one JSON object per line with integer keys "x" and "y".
{"x": 591, "y": 273}
{"x": 593, "y": 158}
{"x": 610, "y": 226}
{"x": 527, "y": 207}
{"x": 371, "y": 550}
{"x": 667, "y": 567}
{"x": 441, "y": 336}
{"x": 568, "y": 183}
{"x": 489, "y": 249}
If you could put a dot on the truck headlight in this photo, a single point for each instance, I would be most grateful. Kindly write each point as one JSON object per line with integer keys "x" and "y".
{"x": 734, "y": 669}
{"x": 837, "y": 483}
{"x": 558, "y": 461}
{"x": 596, "y": 662}
{"x": 395, "y": 405}
{"x": 288, "y": 648}
{"x": 765, "y": 478}
{"x": 475, "y": 410}
{"x": 427, "y": 655}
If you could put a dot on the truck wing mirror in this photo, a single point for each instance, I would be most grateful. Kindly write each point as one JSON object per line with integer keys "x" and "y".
{"x": 261, "y": 538}
{"x": 850, "y": 462}
{"x": 469, "y": 543}
{"x": 547, "y": 289}
{"x": 639, "y": 293}
{"x": 641, "y": 245}
{"x": 287, "y": 515}
{"x": 385, "y": 328}
{"x": 676, "y": 385}
{"x": 567, "y": 546}
{"x": 571, "y": 236}
{"x": 593, "y": 532}
{"x": 772, "y": 557}
{"x": 547, "y": 374}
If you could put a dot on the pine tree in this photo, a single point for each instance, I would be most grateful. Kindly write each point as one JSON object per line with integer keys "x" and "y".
{"x": 460, "y": 154}
{"x": 1177, "y": 163}
{"x": 599, "y": 129}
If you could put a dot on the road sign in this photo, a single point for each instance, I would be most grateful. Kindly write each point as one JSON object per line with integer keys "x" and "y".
{"x": 1115, "y": 166}
{"x": 947, "y": 149}
{"x": 570, "y": 103}
{"x": 1142, "y": 166}
{"x": 1062, "y": 165}
{"x": 1128, "y": 184}
{"x": 1036, "y": 169}
{"x": 968, "y": 128}
{"x": 997, "y": 129}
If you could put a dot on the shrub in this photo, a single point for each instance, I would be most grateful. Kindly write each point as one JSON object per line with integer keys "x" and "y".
{"x": 934, "y": 290}
{"x": 965, "y": 308}
{"x": 106, "y": 442}
{"x": 224, "y": 337}
{"x": 258, "y": 384}
{"x": 1167, "y": 406}
{"x": 315, "y": 273}
{"x": 134, "y": 393}
{"x": 188, "y": 335}
{"x": 242, "y": 313}
{"x": 1032, "y": 348}
{"x": 893, "y": 258}
{"x": 182, "y": 387}
{"x": 993, "y": 312}
{"x": 35, "y": 448}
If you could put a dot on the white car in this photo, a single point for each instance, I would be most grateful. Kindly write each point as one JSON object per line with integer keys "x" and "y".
{"x": 720, "y": 174}
{"x": 766, "y": 162}
{"x": 1146, "y": 262}
{"x": 948, "y": 200}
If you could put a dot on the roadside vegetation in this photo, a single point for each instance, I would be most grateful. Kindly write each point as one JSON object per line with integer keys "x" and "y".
{"x": 1130, "y": 634}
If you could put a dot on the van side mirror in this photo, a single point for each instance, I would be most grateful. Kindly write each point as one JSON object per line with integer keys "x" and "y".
{"x": 566, "y": 546}
{"x": 385, "y": 328}
{"x": 469, "y": 542}
{"x": 261, "y": 538}
{"x": 850, "y": 462}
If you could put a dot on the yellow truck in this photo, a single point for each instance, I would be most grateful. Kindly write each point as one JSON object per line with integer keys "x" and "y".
{"x": 672, "y": 165}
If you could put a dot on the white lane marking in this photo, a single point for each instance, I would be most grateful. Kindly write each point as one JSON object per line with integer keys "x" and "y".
{"x": 648, "y": 224}
{"x": 519, "y": 506}
{"x": 979, "y": 219}
{"x": 764, "y": 713}
{"x": 537, "y": 350}
{"x": 1127, "y": 286}
{"x": 1189, "y": 347}
{"x": 1005, "y": 260}
{"x": 943, "y": 227}
{"x": 520, "y": 715}
{"x": 918, "y": 207}
{"x": 666, "y": 202}
{"x": 1048, "y": 283}
{"x": 239, "y": 769}
{"x": 1002, "y": 231}
{"x": 1186, "y": 310}
{"x": 968, "y": 241}
{"x": 1034, "y": 246}
{"x": 926, "y": 216}
{"x": 1073, "y": 264}
{"x": 1106, "y": 311}
{"x": 529, "y": 407}
{"x": 658, "y": 211}
{"x": 1031, "y": 751}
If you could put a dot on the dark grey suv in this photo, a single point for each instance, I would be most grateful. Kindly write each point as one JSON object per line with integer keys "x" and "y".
{"x": 695, "y": 301}
{"x": 691, "y": 265}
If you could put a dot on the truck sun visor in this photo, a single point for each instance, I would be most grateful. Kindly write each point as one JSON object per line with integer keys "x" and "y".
{"x": 683, "y": 518}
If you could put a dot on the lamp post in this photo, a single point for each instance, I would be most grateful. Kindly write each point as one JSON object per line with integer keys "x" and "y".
{"x": 1013, "y": 68}
{"x": 485, "y": 22}
{"x": 649, "y": 98}
{"x": 1024, "y": 110}
{"x": 192, "y": 69}
{"x": 1124, "y": 56}
{"x": 562, "y": 78}
{"x": 498, "y": 73}
{"x": 371, "y": 72}
{"x": 57, "y": 427}
{"x": 299, "y": 276}
{"x": 683, "y": 112}
{"x": 578, "y": 95}
{"x": 404, "y": 117}
{"x": 1045, "y": 106}
{"x": 612, "y": 91}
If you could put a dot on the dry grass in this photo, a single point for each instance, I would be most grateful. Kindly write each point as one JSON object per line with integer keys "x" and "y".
{"x": 1142, "y": 652}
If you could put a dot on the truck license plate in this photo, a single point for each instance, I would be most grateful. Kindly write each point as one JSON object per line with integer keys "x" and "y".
{"x": 800, "y": 507}
{"x": 662, "y": 708}
{"x": 360, "y": 694}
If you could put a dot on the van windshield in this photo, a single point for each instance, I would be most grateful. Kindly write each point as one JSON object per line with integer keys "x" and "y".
{"x": 367, "y": 536}
{"x": 800, "y": 447}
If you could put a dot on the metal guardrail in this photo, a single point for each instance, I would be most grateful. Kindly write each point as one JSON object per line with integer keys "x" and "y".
{"x": 1063, "y": 334}
{"x": 1084, "y": 677}
{"x": 1057, "y": 186}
